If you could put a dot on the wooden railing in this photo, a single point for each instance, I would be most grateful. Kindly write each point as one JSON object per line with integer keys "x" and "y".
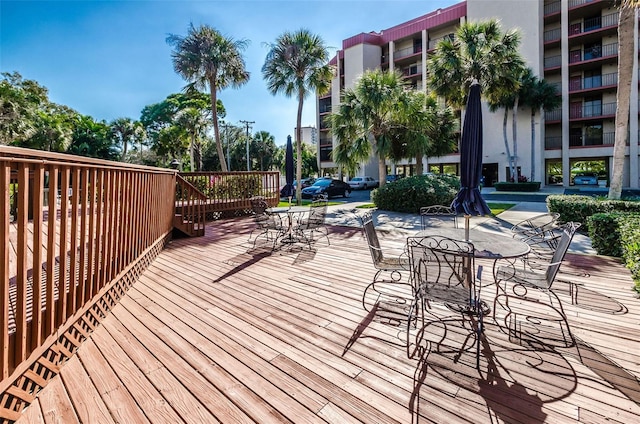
{"x": 229, "y": 192}
{"x": 76, "y": 233}
{"x": 190, "y": 212}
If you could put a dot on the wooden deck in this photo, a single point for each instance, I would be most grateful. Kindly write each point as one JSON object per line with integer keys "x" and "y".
{"x": 215, "y": 331}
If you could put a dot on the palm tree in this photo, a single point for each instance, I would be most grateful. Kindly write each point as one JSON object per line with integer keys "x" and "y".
{"x": 195, "y": 122}
{"x": 626, "y": 22}
{"x": 538, "y": 94}
{"x": 426, "y": 129}
{"x": 297, "y": 65}
{"x": 124, "y": 129}
{"x": 206, "y": 58}
{"x": 482, "y": 52}
{"x": 368, "y": 118}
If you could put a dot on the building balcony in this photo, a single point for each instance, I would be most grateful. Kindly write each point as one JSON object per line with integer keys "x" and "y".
{"x": 433, "y": 43}
{"x": 552, "y": 11}
{"x": 552, "y": 37}
{"x": 605, "y": 139}
{"x": 552, "y": 116}
{"x": 586, "y": 8}
{"x": 412, "y": 72}
{"x": 596, "y": 83}
{"x": 553, "y": 143}
{"x": 407, "y": 54}
{"x": 324, "y": 109}
{"x": 552, "y": 62}
{"x": 579, "y": 112}
{"x": 596, "y": 55}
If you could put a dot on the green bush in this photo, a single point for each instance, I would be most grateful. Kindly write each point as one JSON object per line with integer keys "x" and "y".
{"x": 604, "y": 233}
{"x": 522, "y": 186}
{"x": 618, "y": 234}
{"x": 409, "y": 194}
{"x": 578, "y": 208}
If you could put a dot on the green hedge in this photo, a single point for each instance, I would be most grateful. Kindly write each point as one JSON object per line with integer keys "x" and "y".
{"x": 578, "y": 208}
{"x": 618, "y": 234}
{"x": 409, "y": 194}
{"x": 524, "y": 186}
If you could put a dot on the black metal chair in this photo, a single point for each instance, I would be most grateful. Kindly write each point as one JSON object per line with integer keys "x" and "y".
{"x": 519, "y": 285}
{"x": 268, "y": 225}
{"x": 443, "y": 272}
{"x": 314, "y": 223}
{"x": 536, "y": 226}
{"x": 438, "y": 215}
{"x": 388, "y": 286}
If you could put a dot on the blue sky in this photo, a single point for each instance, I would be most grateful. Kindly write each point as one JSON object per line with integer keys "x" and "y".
{"x": 109, "y": 59}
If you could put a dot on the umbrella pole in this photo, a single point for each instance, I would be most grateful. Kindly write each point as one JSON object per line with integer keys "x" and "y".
{"x": 466, "y": 227}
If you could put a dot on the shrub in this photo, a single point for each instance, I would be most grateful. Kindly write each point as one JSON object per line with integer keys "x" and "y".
{"x": 409, "y": 194}
{"x": 578, "y": 208}
{"x": 630, "y": 240}
{"x": 527, "y": 186}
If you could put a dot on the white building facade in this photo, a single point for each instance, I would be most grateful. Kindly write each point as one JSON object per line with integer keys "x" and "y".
{"x": 570, "y": 43}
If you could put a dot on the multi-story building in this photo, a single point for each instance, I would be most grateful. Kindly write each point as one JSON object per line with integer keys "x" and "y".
{"x": 570, "y": 43}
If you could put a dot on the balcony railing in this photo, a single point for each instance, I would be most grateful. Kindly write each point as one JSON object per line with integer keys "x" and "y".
{"x": 553, "y": 115}
{"x": 552, "y": 35}
{"x": 596, "y": 52}
{"x": 409, "y": 51}
{"x": 324, "y": 108}
{"x": 553, "y": 62}
{"x": 553, "y": 142}
{"x": 592, "y": 110}
{"x": 605, "y": 139}
{"x": 594, "y": 24}
{"x": 597, "y": 81}
{"x": 434, "y": 42}
{"x": 576, "y": 3}
{"x": 551, "y": 8}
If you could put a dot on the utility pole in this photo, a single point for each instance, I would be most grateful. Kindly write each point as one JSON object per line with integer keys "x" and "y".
{"x": 247, "y": 124}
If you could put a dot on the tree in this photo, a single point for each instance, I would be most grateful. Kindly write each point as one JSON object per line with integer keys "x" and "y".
{"x": 480, "y": 52}
{"x": 126, "y": 131}
{"x": 263, "y": 147}
{"x": 297, "y": 65}
{"x": 426, "y": 129}
{"x": 206, "y": 58}
{"x": 21, "y": 104}
{"x": 538, "y": 94}
{"x": 626, "y": 53}
{"x": 368, "y": 119}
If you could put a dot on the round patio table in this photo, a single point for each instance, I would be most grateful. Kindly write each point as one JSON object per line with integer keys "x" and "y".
{"x": 487, "y": 245}
{"x": 290, "y": 212}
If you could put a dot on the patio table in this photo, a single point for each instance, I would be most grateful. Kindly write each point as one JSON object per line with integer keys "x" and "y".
{"x": 291, "y": 212}
{"x": 487, "y": 245}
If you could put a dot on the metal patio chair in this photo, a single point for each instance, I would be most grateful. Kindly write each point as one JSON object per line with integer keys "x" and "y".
{"x": 517, "y": 284}
{"x": 314, "y": 222}
{"x": 388, "y": 285}
{"x": 443, "y": 272}
{"x": 268, "y": 225}
{"x": 438, "y": 215}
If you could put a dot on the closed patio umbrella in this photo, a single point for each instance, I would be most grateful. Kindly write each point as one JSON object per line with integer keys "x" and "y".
{"x": 469, "y": 201}
{"x": 289, "y": 189}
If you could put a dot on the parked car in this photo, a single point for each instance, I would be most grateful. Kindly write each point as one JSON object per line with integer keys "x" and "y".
{"x": 363, "y": 183}
{"x": 393, "y": 177}
{"x": 306, "y": 182}
{"x": 326, "y": 187}
{"x": 586, "y": 178}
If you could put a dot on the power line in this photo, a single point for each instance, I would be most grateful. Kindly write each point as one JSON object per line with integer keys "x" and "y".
{"x": 247, "y": 124}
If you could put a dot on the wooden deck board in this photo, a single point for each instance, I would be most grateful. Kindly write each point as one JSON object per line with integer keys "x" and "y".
{"x": 217, "y": 330}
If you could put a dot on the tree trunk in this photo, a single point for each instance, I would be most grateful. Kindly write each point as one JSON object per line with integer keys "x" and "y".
{"x": 299, "y": 149}
{"x": 514, "y": 132}
{"x": 623, "y": 97}
{"x": 214, "y": 112}
{"x": 382, "y": 171}
{"x": 533, "y": 145}
{"x": 506, "y": 139}
{"x": 419, "y": 166}
{"x": 191, "y": 145}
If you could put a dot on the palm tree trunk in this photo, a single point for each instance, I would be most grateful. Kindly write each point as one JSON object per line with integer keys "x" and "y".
{"x": 299, "y": 148}
{"x": 191, "y": 145}
{"x": 419, "y": 166}
{"x": 533, "y": 145}
{"x": 214, "y": 115}
{"x": 514, "y": 132}
{"x": 623, "y": 97}
{"x": 506, "y": 139}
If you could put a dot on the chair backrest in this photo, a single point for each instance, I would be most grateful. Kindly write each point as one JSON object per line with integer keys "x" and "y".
{"x": 539, "y": 224}
{"x": 438, "y": 215}
{"x": 317, "y": 213}
{"x": 258, "y": 205}
{"x": 369, "y": 230}
{"x": 442, "y": 269}
{"x": 568, "y": 230}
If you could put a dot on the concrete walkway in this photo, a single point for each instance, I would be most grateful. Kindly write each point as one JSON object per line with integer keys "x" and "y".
{"x": 406, "y": 223}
